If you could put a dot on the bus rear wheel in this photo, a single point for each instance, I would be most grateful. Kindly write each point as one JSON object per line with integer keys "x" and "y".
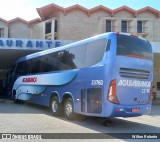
{"x": 69, "y": 110}
{"x": 56, "y": 107}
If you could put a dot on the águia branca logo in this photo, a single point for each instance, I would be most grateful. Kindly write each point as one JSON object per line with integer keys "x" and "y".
{"x": 134, "y": 83}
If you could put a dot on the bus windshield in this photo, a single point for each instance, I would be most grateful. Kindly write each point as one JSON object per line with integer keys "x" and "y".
{"x": 133, "y": 47}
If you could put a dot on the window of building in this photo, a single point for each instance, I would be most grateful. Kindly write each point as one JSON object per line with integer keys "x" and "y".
{"x": 55, "y": 26}
{"x": 158, "y": 86}
{"x": 124, "y": 26}
{"x": 108, "y": 25}
{"x": 139, "y": 27}
{"x": 48, "y": 28}
{"x": 51, "y": 33}
{"x": 1, "y": 32}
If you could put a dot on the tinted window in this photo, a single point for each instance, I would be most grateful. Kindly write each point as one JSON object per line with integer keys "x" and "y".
{"x": 95, "y": 51}
{"x": 66, "y": 60}
{"x": 55, "y": 26}
{"x": 108, "y": 25}
{"x": 49, "y": 63}
{"x": 34, "y": 65}
{"x": 48, "y": 28}
{"x": 60, "y": 60}
{"x": 133, "y": 46}
{"x": 22, "y": 68}
{"x": 124, "y": 26}
{"x": 78, "y": 55}
{"x": 139, "y": 27}
{"x": 46, "y": 64}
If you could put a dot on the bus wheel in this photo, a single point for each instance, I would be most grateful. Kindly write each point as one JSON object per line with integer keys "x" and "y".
{"x": 69, "y": 110}
{"x": 56, "y": 107}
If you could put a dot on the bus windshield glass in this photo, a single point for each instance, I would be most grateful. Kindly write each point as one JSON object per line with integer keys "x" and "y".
{"x": 133, "y": 47}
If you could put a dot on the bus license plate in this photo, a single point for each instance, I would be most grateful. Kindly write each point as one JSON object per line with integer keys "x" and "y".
{"x": 135, "y": 109}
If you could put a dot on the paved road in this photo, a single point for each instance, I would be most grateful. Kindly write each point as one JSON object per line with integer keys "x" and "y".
{"x": 29, "y": 118}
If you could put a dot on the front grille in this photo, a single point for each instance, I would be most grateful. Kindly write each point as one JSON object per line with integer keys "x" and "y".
{"x": 134, "y": 73}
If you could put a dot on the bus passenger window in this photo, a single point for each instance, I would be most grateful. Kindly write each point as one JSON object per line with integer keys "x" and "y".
{"x": 34, "y": 65}
{"x": 22, "y": 68}
{"x": 95, "y": 51}
{"x": 79, "y": 55}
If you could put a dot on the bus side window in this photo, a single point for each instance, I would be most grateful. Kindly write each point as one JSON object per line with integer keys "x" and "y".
{"x": 78, "y": 53}
{"x": 34, "y": 65}
{"x": 57, "y": 61}
{"x": 108, "y": 45}
{"x": 42, "y": 64}
{"x": 22, "y": 68}
{"x": 65, "y": 60}
{"x": 95, "y": 51}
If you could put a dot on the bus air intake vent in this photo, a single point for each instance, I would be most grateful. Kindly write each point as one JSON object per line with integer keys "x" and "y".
{"x": 134, "y": 73}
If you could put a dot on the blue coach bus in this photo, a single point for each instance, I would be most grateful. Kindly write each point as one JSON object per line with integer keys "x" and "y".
{"x": 109, "y": 75}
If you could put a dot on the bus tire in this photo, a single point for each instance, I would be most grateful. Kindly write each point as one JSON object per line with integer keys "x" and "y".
{"x": 69, "y": 110}
{"x": 56, "y": 107}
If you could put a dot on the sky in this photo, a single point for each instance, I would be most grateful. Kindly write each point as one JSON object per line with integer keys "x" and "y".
{"x": 26, "y": 9}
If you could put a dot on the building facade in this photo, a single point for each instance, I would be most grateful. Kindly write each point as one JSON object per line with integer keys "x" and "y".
{"x": 77, "y": 22}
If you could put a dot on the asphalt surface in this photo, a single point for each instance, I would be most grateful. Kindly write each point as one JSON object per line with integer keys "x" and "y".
{"x": 31, "y": 118}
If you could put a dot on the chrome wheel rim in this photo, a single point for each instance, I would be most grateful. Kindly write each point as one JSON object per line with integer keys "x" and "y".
{"x": 54, "y": 106}
{"x": 68, "y": 108}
